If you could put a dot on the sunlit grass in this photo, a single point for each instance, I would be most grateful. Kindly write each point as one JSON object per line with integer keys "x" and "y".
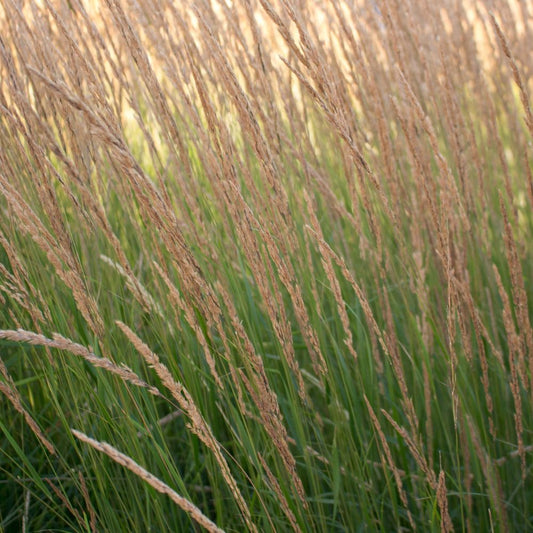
{"x": 265, "y": 267}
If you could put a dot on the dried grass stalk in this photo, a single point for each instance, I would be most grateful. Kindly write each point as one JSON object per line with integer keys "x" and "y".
{"x": 61, "y": 343}
{"x": 155, "y": 482}
{"x": 446, "y": 525}
{"x": 198, "y": 423}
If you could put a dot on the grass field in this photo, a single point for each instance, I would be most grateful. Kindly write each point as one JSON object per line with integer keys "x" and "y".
{"x": 266, "y": 265}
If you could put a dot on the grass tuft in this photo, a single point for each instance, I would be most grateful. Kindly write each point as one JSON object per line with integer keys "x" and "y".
{"x": 277, "y": 253}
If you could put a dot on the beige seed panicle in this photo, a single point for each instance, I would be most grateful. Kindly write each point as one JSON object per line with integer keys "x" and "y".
{"x": 155, "y": 482}
{"x": 198, "y": 424}
{"x": 62, "y": 343}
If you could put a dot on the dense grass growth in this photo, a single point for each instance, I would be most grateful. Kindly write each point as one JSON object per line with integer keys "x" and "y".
{"x": 266, "y": 265}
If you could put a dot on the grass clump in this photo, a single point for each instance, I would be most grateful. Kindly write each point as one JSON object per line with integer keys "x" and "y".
{"x": 265, "y": 266}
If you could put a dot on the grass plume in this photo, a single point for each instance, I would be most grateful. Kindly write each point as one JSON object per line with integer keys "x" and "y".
{"x": 286, "y": 246}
